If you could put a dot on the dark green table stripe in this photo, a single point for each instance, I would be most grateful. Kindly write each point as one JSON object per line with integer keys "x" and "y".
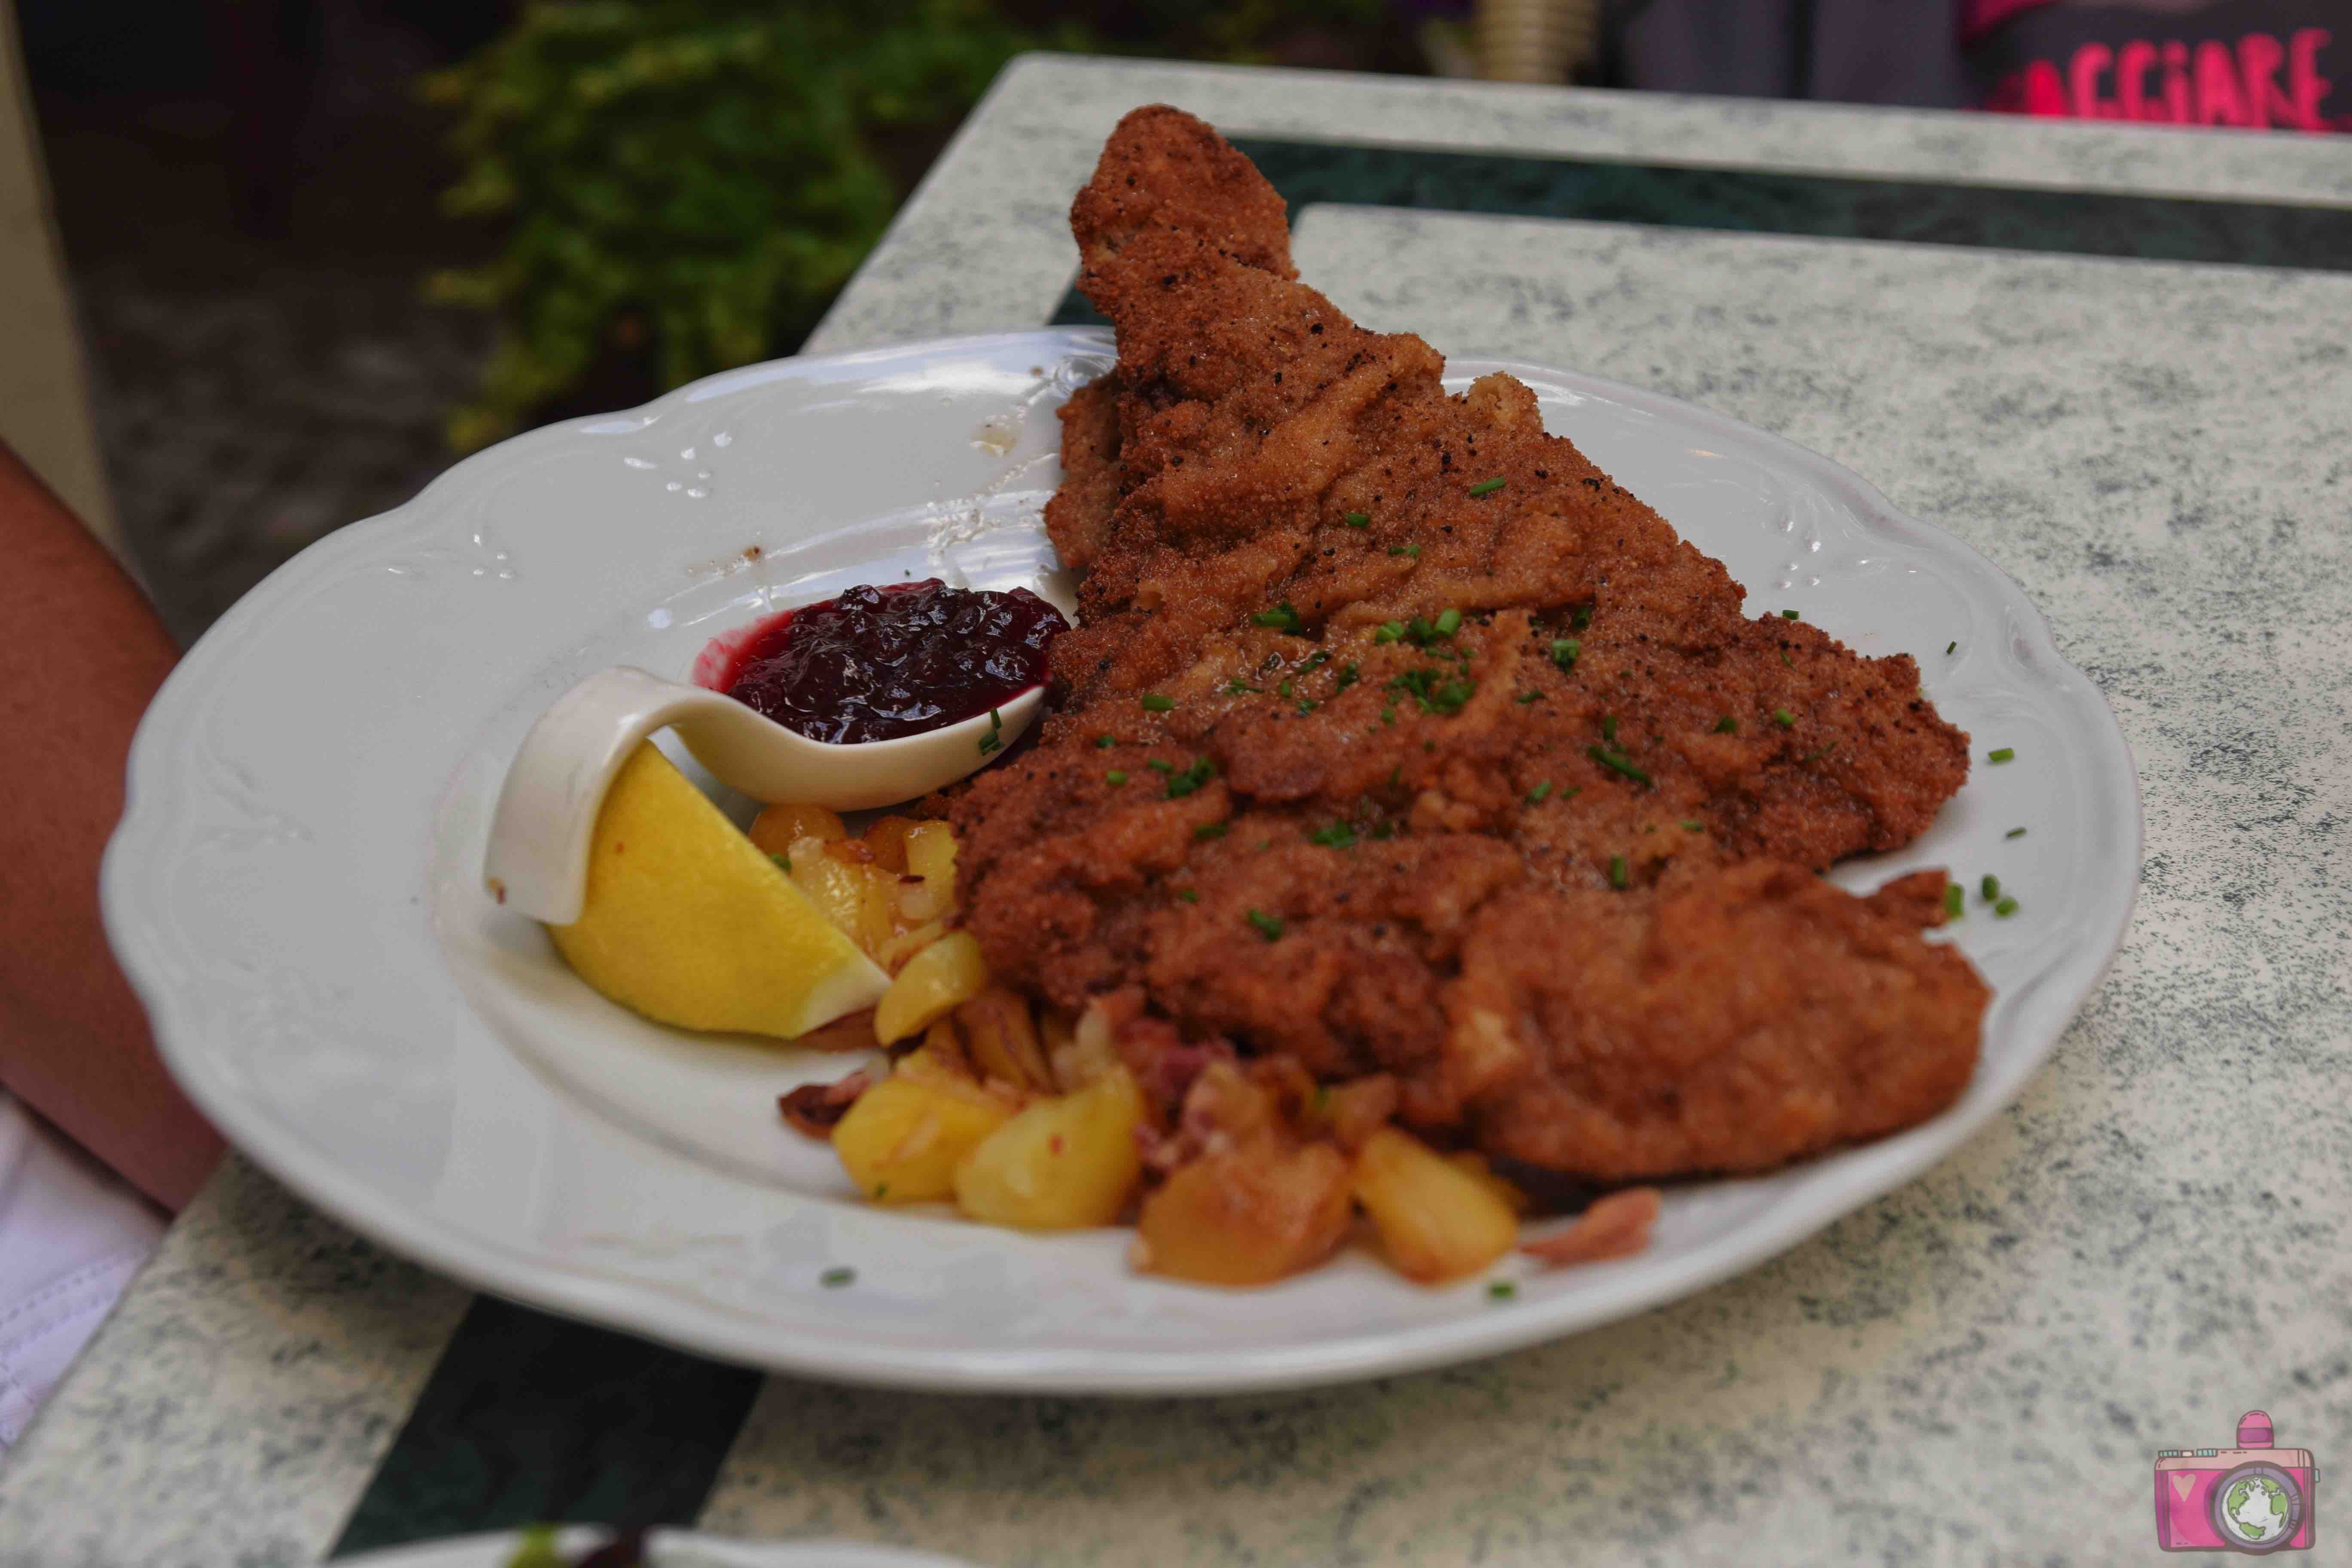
{"x": 1826, "y": 206}
{"x": 529, "y": 1418}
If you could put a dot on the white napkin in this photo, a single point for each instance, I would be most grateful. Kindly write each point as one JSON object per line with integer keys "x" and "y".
{"x": 72, "y": 1234}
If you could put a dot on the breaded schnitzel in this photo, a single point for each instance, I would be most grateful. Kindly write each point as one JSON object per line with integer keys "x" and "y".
{"x": 1397, "y": 738}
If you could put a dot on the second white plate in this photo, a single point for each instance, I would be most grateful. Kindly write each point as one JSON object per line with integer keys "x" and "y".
{"x": 295, "y": 888}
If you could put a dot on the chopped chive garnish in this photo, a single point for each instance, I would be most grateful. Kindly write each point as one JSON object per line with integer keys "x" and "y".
{"x": 1787, "y": 660}
{"x": 2006, "y": 908}
{"x": 1501, "y": 1289}
{"x": 1189, "y": 895}
{"x": 1114, "y": 778}
{"x": 833, "y": 1278}
{"x": 1448, "y": 622}
{"x": 2002, "y": 755}
{"x": 1609, "y": 726}
{"x": 1617, "y": 872}
{"x": 1564, "y": 652}
{"x": 1338, "y": 836}
{"x": 1990, "y": 889}
{"x": 1389, "y": 631}
{"x": 1357, "y": 519}
{"x": 1387, "y": 715}
{"x": 1581, "y": 618}
{"x": 1950, "y": 647}
{"x": 1191, "y": 778}
{"x": 1347, "y": 677}
{"x": 1282, "y": 689}
{"x": 1537, "y": 795}
{"x": 2014, "y": 832}
{"x": 784, "y": 862}
{"x": 1384, "y": 830}
{"x": 990, "y": 742}
{"x": 1158, "y": 766}
{"x": 1782, "y": 717}
{"x": 1320, "y": 656}
{"x": 1268, "y": 926}
{"x": 1486, "y": 487}
{"x": 1104, "y": 741}
{"x": 1955, "y": 901}
{"x": 1419, "y": 632}
{"x": 1237, "y": 686}
{"x": 1155, "y": 703}
{"x": 1617, "y": 760}
{"x": 1693, "y": 827}
{"x": 1791, "y": 616}
{"x": 1435, "y": 696}
{"x": 1212, "y": 830}
{"x": 1306, "y": 706}
{"x": 1412, "y": 549}
{"x": 995, "y": 736}
{"x": 1282, "y": 617}
{"x": 1526, "y": 696}
{"x": 1817, "y": 753}
{"x": 1727, "y": 725}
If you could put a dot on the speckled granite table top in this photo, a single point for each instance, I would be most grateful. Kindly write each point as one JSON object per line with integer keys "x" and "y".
{"x": 1976, "y": 1368}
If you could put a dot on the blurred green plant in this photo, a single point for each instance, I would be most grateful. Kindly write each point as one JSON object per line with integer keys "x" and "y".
{"x": 685, "y": 176}
{"x": 691, "y": 180}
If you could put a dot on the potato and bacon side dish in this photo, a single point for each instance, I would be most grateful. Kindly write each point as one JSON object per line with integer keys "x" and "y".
{"x": 1235, "y": 1172}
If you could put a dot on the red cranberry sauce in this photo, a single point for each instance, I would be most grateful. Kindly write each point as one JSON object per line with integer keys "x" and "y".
{"x": 878, "y": 663}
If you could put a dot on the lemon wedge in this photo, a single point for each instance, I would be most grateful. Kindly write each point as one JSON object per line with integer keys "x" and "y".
{"x": 688, "y": 922}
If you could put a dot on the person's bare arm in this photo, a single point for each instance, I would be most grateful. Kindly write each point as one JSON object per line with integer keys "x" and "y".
{"x": 81, "y": 655}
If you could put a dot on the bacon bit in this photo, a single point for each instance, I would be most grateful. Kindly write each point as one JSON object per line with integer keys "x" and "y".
{"x": 1616, "y": 1226}
{"x": 1220, "y": 1106}
{"x": 1163, "y": 1064}
{"x": 813, "y": 1108}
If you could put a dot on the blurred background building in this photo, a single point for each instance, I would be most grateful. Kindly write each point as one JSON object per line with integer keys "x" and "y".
{"x": 267, "y": 266}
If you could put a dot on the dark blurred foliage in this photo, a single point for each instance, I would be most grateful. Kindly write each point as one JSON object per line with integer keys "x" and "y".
{"x": 686, "y": 179}
{"x": 683, "y": 184}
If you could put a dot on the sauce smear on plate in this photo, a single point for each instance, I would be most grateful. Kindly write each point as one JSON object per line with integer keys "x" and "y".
{"x": 877, "y": 663}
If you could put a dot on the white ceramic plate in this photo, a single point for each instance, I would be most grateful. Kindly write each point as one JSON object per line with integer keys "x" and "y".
{"x": 664, "y": 1548}
{"x": 295, "y": 888}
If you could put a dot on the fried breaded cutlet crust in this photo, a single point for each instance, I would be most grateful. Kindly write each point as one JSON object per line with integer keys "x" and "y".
{"x": 1556, "y": 868}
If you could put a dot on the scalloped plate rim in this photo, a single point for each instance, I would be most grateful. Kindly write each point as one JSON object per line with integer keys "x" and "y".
{"x": 152, "y": 808}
